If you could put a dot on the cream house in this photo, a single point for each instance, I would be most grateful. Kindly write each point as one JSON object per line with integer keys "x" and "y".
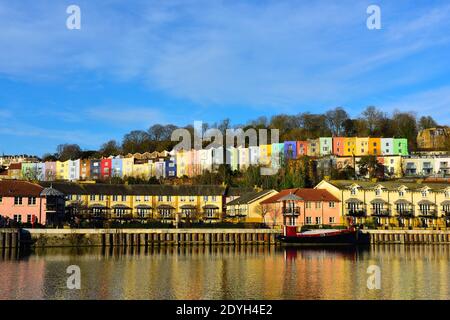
{"x": 392, "y": 203}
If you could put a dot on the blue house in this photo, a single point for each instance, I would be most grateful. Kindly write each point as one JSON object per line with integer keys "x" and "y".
{"x": 171, "y": 167}
{"x": 116, "y": 165}
{"x": 290, "y": 149}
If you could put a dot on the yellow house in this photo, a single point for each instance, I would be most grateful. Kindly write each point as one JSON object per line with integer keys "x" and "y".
{"x": 62, "y": 170}
{"x": 349, "y": 146}
{"x": 374, "y": 146}
{"x": 394, "y": 204}
{"x": 141, "y": 170}
{"x": 247, "y": 207}
{"x": 165, "y": 203}
{"x": 393, "y": 166}
{"x": 182, "y": 163}
{"x": 265, "y": 154}
{"x": 127, "y": 167}
{"x": 362, "y": 146}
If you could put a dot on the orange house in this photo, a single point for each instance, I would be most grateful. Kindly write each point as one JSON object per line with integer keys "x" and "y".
{"x": 302, "y": 148}
{"x": 338, "y": 146}
{"x": 375, "y": 146}
{"x": 315, "y": 207}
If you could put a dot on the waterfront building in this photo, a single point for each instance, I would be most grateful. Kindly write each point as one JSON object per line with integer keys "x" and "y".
{"x": 308, "y": 207}
{"x": 374, "y": 146}
{"x": 433, "y": 138}
{"x": 50, "y": 171}
{"x": 62, "y": 170}
{"x": 6, "y": 160}
{"x": 338, "y": 146}
{"x": 392, "y": 166}
{"x": 116, "y": 167}
{"x": 290, "y": 150}
{"x": 392, "y": 203}
{"x": 401, "y": 146}
{"x": 95, "y": 169}
{"x": 127, "y": 166}
{"x": 40, "y": 166}
{"x": 26, "y": 202}
{"x": 247, "y": 208}
{"x": 244, "y": 158}
{"x": 302, "y": 148}
{"x": 326, "y": 146}
{"x": 313, "y": 149}
{"x": 85, "y": 169}
{"x": 217, "y": 157}
{"x": 74, "y": 170}
{"x": 166, "y": 203}
{"x": 265, "y": 153}
{"x": 105, "y": 168}
{"x": 349, "y": 146}
{"x": 362, "y": 146}
{"x": 387, "y": 146}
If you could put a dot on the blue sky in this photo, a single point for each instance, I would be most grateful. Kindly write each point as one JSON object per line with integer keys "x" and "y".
{"x": 136, "y": 63}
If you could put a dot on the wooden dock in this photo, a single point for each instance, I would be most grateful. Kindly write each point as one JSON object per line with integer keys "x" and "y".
{"x": 9, "y": 238}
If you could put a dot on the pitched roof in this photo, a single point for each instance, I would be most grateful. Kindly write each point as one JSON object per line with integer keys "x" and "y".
{"x": 15, "y": 166}
{"x": 389, "y": 185}
{"x": 16, "y": 188}
{"x": 135, "y": 189}
{"x": 238, "y": 191}
{"x": 249, "y": 197}
{"x": 305, "y": 194}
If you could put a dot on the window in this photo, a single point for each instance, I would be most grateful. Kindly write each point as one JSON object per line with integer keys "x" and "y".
{"x": 191, "y": 198}
{"x": 18, "y": 218}
{"x": 378, "y": 192}
{"x": 353, "y": 191}
{"x": 146, "y": 198}
{"x": 318, "y": 205}
{"x": 205, "y": 198}
{"x": 169, "y": 198}
{"x": 1, "y": 199}
{"x": 31, "y": 201}
{"x": 160, "y": 198}
{"x": 138, "y": 198}
{"x": 446, "y": 193}
{"x": 318, "y": 220}
{"x": 115, "y": 197}
{"x": 308, "y": 220}
{"x": 331, "y": 204}
{"x": 29, "y": 218}
{"x": 424, "y": 193}
{"x": 213, "y": 198}
{"x": 331, "y": 220}
{"x": 78, "y": 197}
{"x": 401, "y": 193}
{"x": 17, "y": 201}
{"x": 101, "y": 197}
{"x": 124, "y": 198}
{"x": 92, "y": 197}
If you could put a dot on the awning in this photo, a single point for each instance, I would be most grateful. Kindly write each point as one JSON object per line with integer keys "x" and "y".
{"x": 143, "y": 206}
{"x": 188, "y": 206}
{"x": 426, "y": 202}
{"x": 445, "y": 203}
{"x": 98, "y": 206}
{"x": 353, "y": 200}
{"x": 165, "y": 206}
{"x": 402, "y": 201}
{"x": 379, "y": 201}
{"x": 210, "y": 206}
{"x": 121, "y": 206}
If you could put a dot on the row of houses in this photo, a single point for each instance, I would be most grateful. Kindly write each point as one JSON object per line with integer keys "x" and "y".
{"x": 407, "y": 204}
{"x": 194, "y": 162}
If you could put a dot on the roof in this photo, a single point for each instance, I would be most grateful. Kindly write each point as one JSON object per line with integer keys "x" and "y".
{"x": 15, "y": 166}
{"x": 15, "y": 188}
{"x": 136, "y": 189}
{"x": 238, "y": 191}
{"x": 305, "y": 194}
{"x": 249, "y": 197}
{"x": 389, "y": 185}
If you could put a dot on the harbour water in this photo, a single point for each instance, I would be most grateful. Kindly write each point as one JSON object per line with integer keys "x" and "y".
{"x": 228, "y": 272}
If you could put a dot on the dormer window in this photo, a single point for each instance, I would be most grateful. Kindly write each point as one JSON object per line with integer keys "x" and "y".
{"x": 353, "y": 191}
{"x": 401, "y": 193}
{"x": 377, "y": 192}
{"x": 424, "y": 193}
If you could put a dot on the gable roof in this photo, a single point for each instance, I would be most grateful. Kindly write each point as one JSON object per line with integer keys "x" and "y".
{"x": 250, "y": 197}
{"x": 305, "y": 194}
{"x": 18, "y": 188}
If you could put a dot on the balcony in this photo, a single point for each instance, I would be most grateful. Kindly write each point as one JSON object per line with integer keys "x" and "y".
{"x": 355, "y": 212}
{"x": 381, "y": 213}
{"x": 405, "y": 213}
{"x": 291, "y": 211}
{"x": 428, "y": 214}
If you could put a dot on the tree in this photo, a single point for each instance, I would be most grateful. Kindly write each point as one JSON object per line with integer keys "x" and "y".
{"x": 369, "y": 165}
{"x": 373, "y": 118}
{"x": 336, "y": 119}
{"x": 426, "y": 122}
{"x": 68, "y": 151}
{"x": 110, "y": 148}
{"x": 136, "y": 141}
{"x": 49, "y": 157}
{"x": 404, "y": 125}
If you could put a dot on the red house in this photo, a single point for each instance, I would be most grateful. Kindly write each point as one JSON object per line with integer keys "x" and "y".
{"x": 302, "y": 148}
{"x": 105, "y": 168}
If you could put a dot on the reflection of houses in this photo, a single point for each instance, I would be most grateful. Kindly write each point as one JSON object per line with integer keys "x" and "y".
{"x": 248, "y": 208}
{"x": 392, "y": 203}
{"x": 302, "y": 207}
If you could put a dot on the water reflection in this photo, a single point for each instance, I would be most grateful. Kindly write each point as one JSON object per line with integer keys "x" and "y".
{"x": 227, "y": 272}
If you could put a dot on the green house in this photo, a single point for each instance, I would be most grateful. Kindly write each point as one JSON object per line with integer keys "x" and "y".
{"x": 401, "y": 146}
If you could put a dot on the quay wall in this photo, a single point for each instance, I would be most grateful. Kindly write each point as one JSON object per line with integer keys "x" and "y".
{"x": 408, "y": 236}
{"x": 146, "y": 237}
{"x": 9, "y": 238}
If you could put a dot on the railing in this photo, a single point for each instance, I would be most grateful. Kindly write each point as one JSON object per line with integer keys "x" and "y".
{"x": 291, "y": 211}
{"x": 428, "y": 214}
{"x": 355, "y": 213}
{"x": 381, "y": 213}
{"x": 405, "y": 213}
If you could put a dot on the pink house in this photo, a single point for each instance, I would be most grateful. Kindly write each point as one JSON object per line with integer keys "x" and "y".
{"x": 312, "y": 206}
{"x": 26, "y": 202}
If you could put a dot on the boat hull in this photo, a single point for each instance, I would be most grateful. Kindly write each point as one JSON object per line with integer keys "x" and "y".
{"x": 343, "y": 238}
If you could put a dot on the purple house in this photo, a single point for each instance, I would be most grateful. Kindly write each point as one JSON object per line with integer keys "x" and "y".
{"x": 290, "y": 149}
